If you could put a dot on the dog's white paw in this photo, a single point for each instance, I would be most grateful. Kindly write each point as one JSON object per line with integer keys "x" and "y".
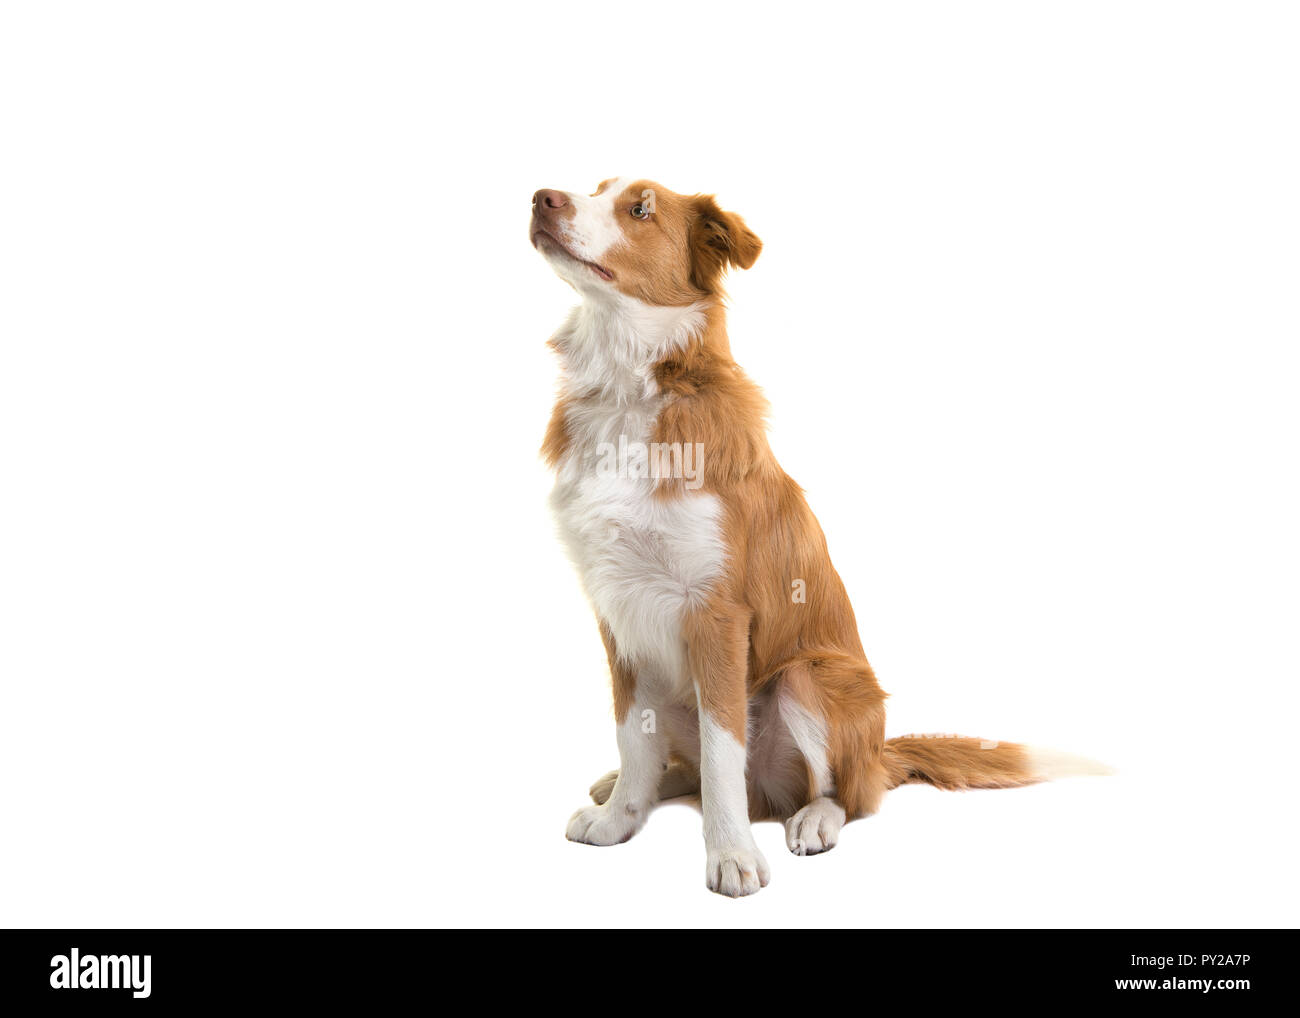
{"x": 815, "y": 828}
{"x": 600, "y": 825}
{"x": 736, "y": 871}
{"x": 603, "y": 788}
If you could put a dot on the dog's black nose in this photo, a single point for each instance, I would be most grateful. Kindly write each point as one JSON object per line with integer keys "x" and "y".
{"x": 546, "y": 199}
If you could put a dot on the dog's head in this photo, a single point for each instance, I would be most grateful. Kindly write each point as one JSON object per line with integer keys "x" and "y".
{"x": 637, "y": 238}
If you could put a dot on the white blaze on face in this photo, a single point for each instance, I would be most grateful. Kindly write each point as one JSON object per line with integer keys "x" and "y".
{"x": 594, "y": 229}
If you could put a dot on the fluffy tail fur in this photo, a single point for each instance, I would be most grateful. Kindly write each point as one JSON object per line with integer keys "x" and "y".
{"x": 956, "y": 762}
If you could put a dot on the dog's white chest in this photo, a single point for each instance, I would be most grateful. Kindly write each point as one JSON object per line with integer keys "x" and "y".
{"x": 644, "y": 561}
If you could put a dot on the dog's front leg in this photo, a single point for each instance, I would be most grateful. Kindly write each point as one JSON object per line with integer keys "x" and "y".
{"x": 643, "y": 756}
{"x": 717, "y": 651}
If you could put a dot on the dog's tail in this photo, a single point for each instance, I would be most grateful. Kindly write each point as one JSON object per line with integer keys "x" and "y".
{"x": 955, "y": 762}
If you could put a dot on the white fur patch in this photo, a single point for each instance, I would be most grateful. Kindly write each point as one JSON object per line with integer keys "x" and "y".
{"x": 644, "y": 561}
{"x": 734, "y": 865}
{"x": 589, "y": 234}
{"x": 611, "y": 346}
{"x": 593, "y": 229}
{"x": 809, "y": 734}
{"x": 1050, "y": 764}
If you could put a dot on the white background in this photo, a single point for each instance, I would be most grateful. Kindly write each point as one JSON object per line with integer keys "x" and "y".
{"x": 286, "y": 636}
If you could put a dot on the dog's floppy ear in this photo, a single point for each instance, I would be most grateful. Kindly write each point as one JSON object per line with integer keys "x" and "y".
{"x": 719, "y": 239}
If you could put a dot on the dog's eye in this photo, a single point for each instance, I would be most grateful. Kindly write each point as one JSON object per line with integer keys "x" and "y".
{"x": 640, "y": 212}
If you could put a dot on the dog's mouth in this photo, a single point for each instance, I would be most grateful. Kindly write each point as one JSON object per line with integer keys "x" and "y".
{"x": 541, "y": 237}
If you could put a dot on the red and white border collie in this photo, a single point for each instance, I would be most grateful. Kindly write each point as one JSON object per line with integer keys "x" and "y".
{"x": 738, "y": 672}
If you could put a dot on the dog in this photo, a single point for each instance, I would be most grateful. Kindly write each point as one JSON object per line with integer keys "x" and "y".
{"x": 738, "y": 673}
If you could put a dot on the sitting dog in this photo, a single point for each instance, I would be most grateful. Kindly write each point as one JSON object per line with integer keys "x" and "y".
{"x": 738, "y": 673}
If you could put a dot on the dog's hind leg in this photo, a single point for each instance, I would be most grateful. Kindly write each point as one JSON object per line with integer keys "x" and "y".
{"x": 815, "y": 828}
{"x": 679, "y": 779}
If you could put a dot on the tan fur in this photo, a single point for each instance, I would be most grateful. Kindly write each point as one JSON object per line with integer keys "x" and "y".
{"x": 651, "y": 266}
{"x": 623, "y": 677}
{"x": 557, "y": 436}
{"x": 955, "y": 762}
{"x": 774, "y": 540}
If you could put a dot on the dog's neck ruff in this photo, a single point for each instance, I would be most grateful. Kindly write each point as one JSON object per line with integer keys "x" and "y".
{"x": 608, "y": 349}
